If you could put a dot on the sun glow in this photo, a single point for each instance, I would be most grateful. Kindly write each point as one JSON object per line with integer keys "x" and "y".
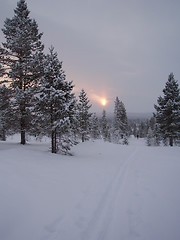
{"x": 100, "y": 100}
{"x": 103, "y": 101}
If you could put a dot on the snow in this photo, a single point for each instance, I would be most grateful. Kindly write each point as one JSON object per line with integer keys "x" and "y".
{"x": 103, "y": 192}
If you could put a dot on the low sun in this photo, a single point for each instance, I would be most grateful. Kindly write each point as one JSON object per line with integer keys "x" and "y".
{"x": 103, "y": 101}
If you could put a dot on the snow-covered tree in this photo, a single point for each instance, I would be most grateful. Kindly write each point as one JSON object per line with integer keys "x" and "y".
{"x": 156, "y": 134}
{"x": 133, "y": 128}
{"x": 55, "y": 104}
{"x": 2, "y": 70}
{"x": 150, "y": 137}
{"x": 153, "y": 132}
{"x": 143, "y": 128}
{"x": 95, "y": 132}
{"x": 123, "y": 119}
{"x": 168, "y": 111}
{"x": 120, "y": 123}
{"x": 105, "y": 129}
{"x": 84, "y": 115}
{"x": 20, "y": 59}
{"x": 5, "y": 112}
{"x": 117, "y": 122}
{"x": 75, "y": 122}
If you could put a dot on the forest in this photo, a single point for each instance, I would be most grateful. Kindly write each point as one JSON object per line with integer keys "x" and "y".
{"x": 36, "y": 98}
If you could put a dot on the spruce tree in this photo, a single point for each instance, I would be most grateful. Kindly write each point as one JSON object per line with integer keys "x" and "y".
{"x": 150, "y": 137}
{"x": 5, "y": 112}
{"x": 21, "y": 57}
{"x": 143, "y": 128}
{"x": 2, "y": 70}
{"x": 123, "y": 119}
{"x": 168, "y": 111}
{"x": 105, "y": 129}
{"x": 95, "y": 132}
{"x": 84, "y": 115}
{"x": 55, "y": 105}
{"x": 120, "y": 124}
{"x": 156, "y": 134}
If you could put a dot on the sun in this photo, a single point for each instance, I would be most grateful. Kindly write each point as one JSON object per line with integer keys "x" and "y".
{"x": 103, "y": 101}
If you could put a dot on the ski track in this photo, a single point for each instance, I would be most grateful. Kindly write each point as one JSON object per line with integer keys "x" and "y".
{"x": 100, "y": 223}
{"x": 119, "y": 199}
{"x": 98, "y": 226}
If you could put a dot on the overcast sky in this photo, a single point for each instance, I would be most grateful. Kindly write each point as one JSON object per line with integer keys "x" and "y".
{"x": 124, "y": 48}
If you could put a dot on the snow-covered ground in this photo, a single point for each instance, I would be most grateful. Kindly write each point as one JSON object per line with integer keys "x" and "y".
{"x": 103, "y": 192}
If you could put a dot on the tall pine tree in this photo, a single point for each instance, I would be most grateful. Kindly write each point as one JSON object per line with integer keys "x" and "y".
{"x": 5, "y": 112}
{"x": 55, "y": 104}
{"x": 120, "y": 124}
{"x": 105, "y": 129}
{"x": 95, "y": 132}
{"x": 168, "y": 110}
{"x": 84, "y": 115}
{"x": 20, "y": 57}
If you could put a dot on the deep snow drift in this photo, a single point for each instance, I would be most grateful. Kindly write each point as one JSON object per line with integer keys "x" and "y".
{"x": 103, "y": 192}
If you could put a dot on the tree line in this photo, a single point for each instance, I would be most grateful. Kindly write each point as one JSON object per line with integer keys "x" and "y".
{"x": 37, "y": 99}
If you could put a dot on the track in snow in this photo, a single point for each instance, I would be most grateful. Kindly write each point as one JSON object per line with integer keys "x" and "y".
{"x": 100, "y": 223}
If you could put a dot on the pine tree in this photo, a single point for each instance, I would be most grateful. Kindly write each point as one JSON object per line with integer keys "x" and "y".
{"x": 123, "y": 119}
{"x": 2, "y": 70}
{"x": 143, "y": 129}
{"x": 5, "y": 112}
{"x": 150, "y": 137}
{"x": 74, "y": 121}
{"x": 55, "y": 105}
{"x": 133, "y": 128}
{"x": 105, "y": 129}
{"x": 168, "y": 111}
{"x": 84, "y": 115}
{"x": 95, "y": 132}
{"x": 20, "y": 58}
{"x": 120, "y": 123}
{"x": 154, "y": 126}
{"x": 117, "y": 133}
{"x": 156, "y": 134}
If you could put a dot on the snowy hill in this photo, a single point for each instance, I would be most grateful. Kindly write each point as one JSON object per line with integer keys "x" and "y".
{"x": 103, "y": 192}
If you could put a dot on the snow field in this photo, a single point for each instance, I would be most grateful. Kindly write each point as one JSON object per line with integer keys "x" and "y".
{"x": 103, "y": 192}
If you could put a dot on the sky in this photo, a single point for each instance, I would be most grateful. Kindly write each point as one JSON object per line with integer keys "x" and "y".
{"x": 111, "y": 48}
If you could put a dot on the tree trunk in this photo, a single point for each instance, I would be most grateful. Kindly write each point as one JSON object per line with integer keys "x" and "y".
{"x": 83, "y": 138}
{"x": 23, "y": 138}
{"x": 3, "y": 135}
{"x": 52, "y": 132}
{"x": 52, "y": 142}
{"x": 22, "y": 121}
{"x": 55, "y": 142}
{"x": 171, "y": 141}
